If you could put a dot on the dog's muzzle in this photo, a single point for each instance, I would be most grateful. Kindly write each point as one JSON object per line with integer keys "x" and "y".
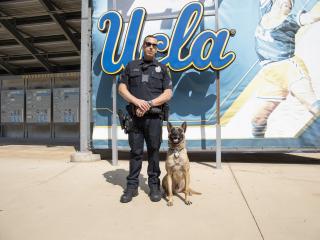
{"x": 176, "y": 140}
{"x": 176, "y": 136}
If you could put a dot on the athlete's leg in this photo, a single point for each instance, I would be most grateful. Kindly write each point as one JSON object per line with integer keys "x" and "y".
{"x": 300, "y": 86}
{"x": 260, "y": 117}
{"x": 273, "y": 89}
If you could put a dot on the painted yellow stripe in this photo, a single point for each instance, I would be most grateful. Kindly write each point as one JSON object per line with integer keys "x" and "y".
{"x": 240, "y": 101}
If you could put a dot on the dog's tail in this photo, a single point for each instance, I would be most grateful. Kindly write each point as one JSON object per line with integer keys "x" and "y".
{"x": 191, "y": 191}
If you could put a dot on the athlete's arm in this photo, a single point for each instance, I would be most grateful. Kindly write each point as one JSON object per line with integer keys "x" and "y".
{"x": 312, "y": 16}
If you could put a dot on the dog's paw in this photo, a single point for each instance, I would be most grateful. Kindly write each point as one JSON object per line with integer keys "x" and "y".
{"x": 188, "y": 202}
{"x": 170, "y": 204}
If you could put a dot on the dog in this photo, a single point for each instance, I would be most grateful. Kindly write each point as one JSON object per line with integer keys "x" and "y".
{"x": 177, "y": 179}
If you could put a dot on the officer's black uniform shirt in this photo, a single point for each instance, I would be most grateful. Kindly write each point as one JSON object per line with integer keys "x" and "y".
{"x": 146, "y": 79}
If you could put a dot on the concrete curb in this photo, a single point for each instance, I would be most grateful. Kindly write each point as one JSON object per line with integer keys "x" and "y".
{"x": 84, "y": 157}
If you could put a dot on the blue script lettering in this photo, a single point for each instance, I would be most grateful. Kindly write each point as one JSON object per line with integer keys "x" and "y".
{"x": 207, "y": 49}
{"x": 111, "y": 24}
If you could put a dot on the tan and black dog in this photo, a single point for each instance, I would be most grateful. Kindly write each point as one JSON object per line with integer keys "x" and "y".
{"x": 177, "y": 179}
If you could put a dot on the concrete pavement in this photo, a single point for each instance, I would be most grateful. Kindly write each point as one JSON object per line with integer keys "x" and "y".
{"x": 45, "y": 196}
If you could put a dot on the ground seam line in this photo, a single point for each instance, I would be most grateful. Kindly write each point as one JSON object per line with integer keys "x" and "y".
{"x": 58, "y": 174}
{"x": 251, "y": 212}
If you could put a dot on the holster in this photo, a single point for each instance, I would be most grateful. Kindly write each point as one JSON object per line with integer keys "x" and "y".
{"x": 126, "y": 122}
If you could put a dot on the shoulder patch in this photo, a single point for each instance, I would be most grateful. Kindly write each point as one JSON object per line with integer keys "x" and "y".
{"x": 158, "y": 69}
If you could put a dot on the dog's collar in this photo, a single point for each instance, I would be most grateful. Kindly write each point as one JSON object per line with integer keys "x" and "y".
{"x": 176, "y": 150}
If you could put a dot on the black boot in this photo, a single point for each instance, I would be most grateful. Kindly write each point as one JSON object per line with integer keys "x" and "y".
{"x": 128, "y": 194}
{"x": 155, "y": 193}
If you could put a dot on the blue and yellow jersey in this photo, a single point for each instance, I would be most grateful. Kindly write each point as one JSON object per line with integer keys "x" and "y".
{"x": 265, "y": 6}
{"x": 278, "y": 43}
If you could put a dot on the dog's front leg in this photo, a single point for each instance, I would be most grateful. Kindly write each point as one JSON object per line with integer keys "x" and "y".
{"x": 169, "y": 187}
{"x": 187, "y": 188}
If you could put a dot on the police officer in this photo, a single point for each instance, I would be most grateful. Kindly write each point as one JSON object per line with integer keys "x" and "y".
{"x": 145, "y": 84}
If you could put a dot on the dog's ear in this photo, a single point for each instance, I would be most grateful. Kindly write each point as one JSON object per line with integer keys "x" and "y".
{"x": 184, "y": 126}
{"x": 169, "y": 126}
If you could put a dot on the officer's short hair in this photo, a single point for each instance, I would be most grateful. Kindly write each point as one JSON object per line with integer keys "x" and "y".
{"x": 149, "y": 36}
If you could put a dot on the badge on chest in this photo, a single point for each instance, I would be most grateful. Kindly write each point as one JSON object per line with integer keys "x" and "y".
{"x": 145, "y": 78}
{"x": 158, "y": 69}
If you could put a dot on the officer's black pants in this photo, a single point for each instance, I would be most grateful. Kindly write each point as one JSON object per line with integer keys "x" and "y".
{"x": 150, "y": 130}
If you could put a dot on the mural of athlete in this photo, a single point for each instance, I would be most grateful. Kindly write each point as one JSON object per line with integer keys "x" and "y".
{"x": 282, "y": 72}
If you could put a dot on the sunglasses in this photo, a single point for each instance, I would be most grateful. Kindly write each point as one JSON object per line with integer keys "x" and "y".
{"x": 149, "y": 44}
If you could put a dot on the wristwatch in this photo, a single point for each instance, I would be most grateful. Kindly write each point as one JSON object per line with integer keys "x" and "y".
{"x": 150, "y": 103}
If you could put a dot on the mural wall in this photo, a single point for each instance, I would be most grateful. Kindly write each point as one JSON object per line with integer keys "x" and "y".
{"x": 270, "y": 86}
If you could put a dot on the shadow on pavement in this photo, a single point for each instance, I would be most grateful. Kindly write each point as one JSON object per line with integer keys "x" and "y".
{"x": 118, "y": 177}
{"x": 210, "y": 156}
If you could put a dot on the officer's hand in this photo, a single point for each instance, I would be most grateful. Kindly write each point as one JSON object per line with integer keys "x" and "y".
{"x": 139, "y": 112}
{"x": 144, "y": 105}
